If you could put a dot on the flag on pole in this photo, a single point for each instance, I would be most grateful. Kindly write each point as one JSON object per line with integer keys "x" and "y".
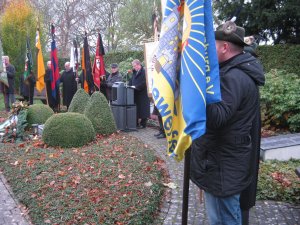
{"x": 40, "y": 83}
{"x": 75, "y": 57}
{"x": 54, "y": 67}
{"x": 28, "y": 59}
{"x": 99, "y": 67}
{"x": 186, "y": 76}
{"x": 88, "y": 83}
{"x": 3, "y": 75}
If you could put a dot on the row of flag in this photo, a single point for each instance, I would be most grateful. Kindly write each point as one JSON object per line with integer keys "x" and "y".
{"x": 91, "y": 76}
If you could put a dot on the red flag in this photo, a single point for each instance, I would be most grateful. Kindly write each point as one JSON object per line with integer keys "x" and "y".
{"x": 98, "y": 67}
{"x": 54, "y": 67}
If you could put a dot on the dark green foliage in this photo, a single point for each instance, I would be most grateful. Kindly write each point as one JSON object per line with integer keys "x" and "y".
{"x": 276, "y": 20}
{"x": 38, "y": 114}
{"x": 280, "y": 100}
{"x": 68, "y": 130}
{"x": 79, "y": 101}
{"x": 278, "y": 181}
{"x": 281, "y": 57}
{"x": 99, "y": 113}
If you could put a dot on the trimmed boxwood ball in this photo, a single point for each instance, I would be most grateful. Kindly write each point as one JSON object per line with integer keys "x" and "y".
{"x": 99, "y": 113}
{"x": 68, "y": 130}
{"x": 38, "y": 114}
{"x": 79, "y": 101}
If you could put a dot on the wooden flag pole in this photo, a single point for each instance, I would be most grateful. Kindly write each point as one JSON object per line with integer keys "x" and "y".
{"x": 186, "y": 186}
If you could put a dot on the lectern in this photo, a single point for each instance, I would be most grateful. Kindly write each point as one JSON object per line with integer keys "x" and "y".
{"x": 123, "y": 107}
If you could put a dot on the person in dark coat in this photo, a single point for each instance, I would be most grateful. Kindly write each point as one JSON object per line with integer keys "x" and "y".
{"x": 224, "y": 161}
{"x": 138, "y": 81}
{"x": 115, "y": 76}
{"x": 9, "y": 92}
{"x": 27, "y": 87}
{"x": 52, "y": 102}
{"x": 161, "y": 131}
{"x": 69, "y": 84}
{"x": 103, "y": 84}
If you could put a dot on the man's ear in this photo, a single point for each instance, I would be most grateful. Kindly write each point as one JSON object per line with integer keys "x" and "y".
{"x": 226, "y": 47}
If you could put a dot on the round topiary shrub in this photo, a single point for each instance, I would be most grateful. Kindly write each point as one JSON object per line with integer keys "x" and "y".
{"x": 99, "y": 113}
{"x": 38, "y": 114}
{"x": 79, "y": 101}
{"x": 68, "y": 130}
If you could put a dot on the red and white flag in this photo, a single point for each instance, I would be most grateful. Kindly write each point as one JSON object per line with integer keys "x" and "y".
{"x": 98, "y": 67}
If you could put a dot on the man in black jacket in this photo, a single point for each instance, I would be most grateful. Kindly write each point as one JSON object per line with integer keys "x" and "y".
{"x": 115, "y": 76}
{"x": 52, "y": 102}
{"x": 69, "y": 84}
{"x": 141, "y": 99}
{"x": 27, "y": 87}
{"x": 9, "y": 92}
{"x": 224, "y": 161}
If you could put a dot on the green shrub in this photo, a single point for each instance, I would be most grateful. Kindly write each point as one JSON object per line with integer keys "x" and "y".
{"x": 278, "y": 181}
{"x": 282, "y": 57}
{"x": 68, "y": 130}
{"x": 99, "y": 113}
{"x": 79, "y": 101}
{"x": 280, "y": 100}
{"x": 38, "y": 114}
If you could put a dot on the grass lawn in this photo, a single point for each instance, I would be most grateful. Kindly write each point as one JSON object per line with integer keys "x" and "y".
{"x": 114, "y": 180}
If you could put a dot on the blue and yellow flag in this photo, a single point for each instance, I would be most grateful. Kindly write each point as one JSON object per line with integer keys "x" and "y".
{"x": 186, "y": 76}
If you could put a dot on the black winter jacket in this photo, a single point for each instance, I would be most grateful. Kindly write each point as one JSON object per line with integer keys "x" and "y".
{"x": 224, "y": 159}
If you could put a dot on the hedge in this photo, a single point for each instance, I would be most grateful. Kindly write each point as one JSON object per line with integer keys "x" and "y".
{"x": 99, "y": 113}
{"x": 280, "y": 101}
{"x": 281, "y": 57}
{"x": 79, "y": 101}
{"x": 38, "y": 114}
{"x": 68, "y": 130}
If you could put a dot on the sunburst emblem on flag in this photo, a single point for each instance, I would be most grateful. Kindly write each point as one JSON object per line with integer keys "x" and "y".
{"x": 193, "y": 43}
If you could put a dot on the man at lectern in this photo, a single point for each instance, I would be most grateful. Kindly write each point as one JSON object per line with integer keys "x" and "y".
{"x": 138, "y": 81}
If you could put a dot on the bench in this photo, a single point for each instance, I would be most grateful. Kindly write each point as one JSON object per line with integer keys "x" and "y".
{"x": 281, "y": 147}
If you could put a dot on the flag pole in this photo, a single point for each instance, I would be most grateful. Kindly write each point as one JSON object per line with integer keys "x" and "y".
{"x": 186, "y": 186}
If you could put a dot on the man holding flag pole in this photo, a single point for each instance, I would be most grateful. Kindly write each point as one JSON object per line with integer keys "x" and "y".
{"x": 225, "y": 133}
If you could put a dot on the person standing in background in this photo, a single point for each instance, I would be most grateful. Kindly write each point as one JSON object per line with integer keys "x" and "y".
{"x": 224, "y": 161}
{"x": 115, "y": 76}
{"x": 9, "y": 92}
{"x": 27, "y": 87}
{"x": 52, "y": 102}
{"x": 138, "y": 81}
{"x": 68, "y": 80}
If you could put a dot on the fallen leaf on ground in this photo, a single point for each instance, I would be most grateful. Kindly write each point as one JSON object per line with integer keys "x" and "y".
{"x": 170, "y": 185}
{"x": 148, "y": 184}
{"x": 121, "y": 176}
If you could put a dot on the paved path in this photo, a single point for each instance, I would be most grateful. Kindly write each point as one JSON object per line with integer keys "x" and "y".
{"x": 10, "y": 213}
{"x": 265, "y": 213}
